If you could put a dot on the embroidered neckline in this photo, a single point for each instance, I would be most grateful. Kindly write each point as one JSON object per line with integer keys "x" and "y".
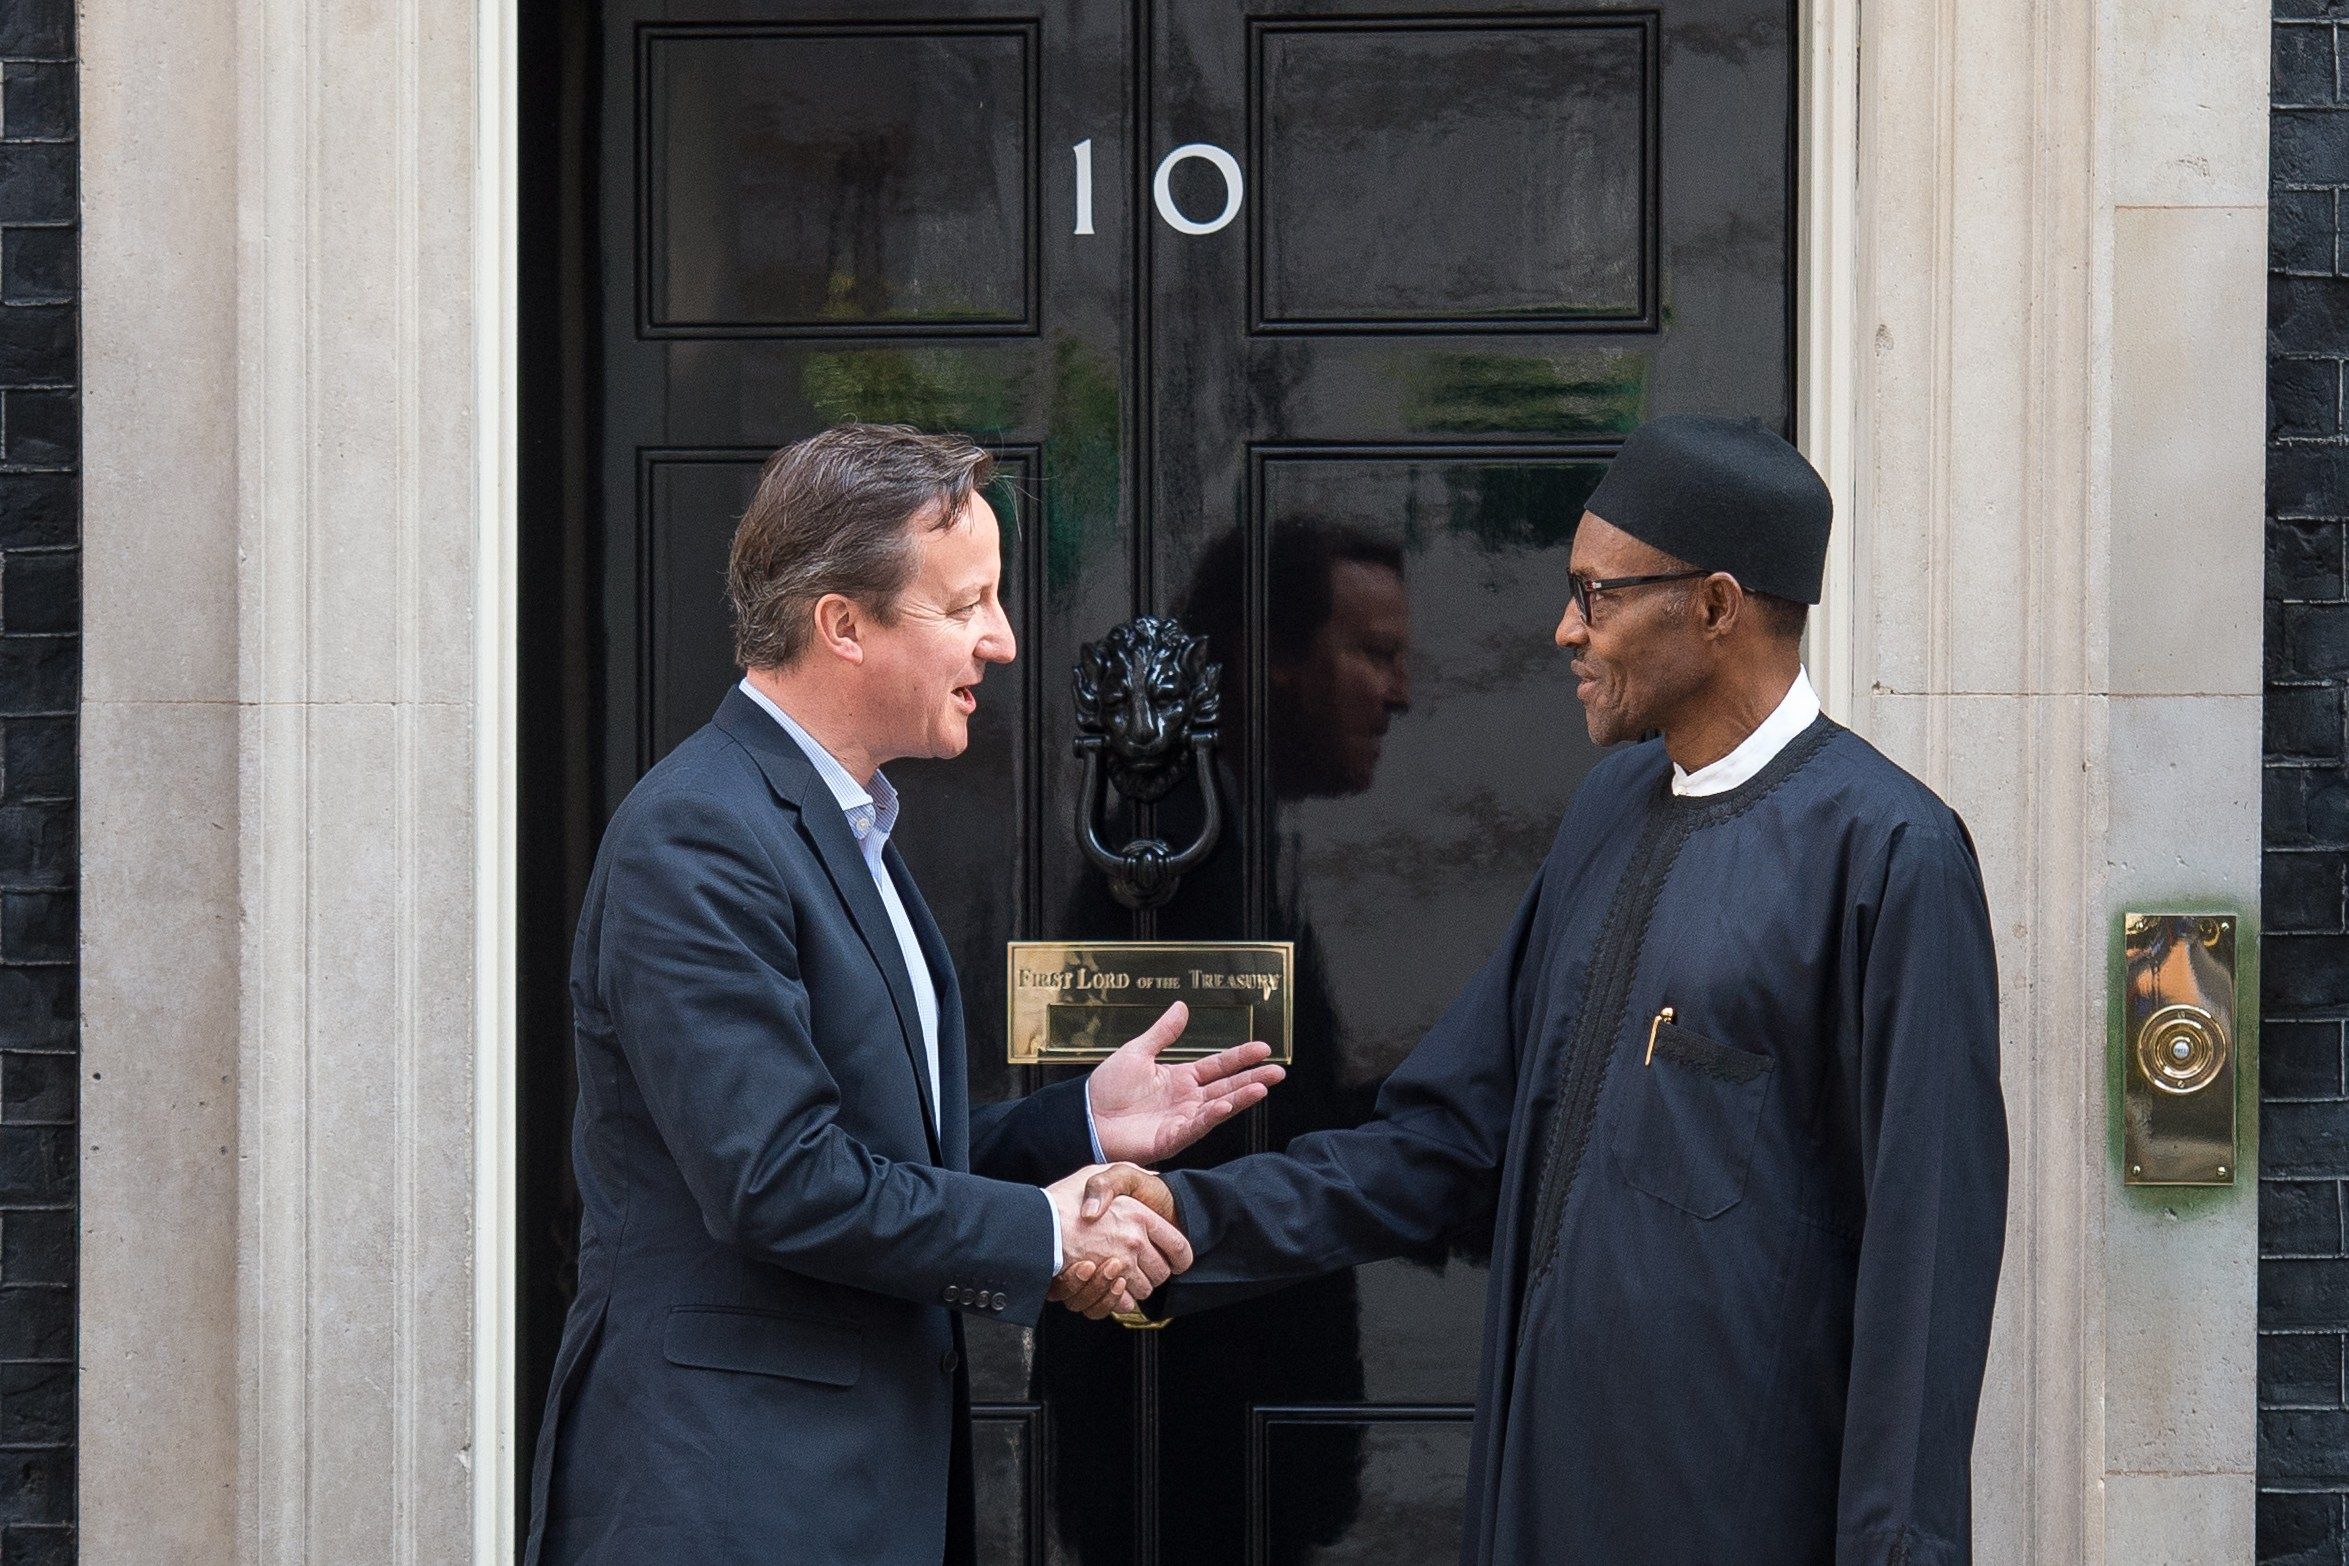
{"x": 1714, "y": 808}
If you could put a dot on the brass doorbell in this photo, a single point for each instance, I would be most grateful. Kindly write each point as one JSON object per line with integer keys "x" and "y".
{"x": 2178, "y": 1058}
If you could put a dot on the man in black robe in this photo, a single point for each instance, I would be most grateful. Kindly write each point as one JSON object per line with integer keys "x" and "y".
{"x": 1725, "y": 1100}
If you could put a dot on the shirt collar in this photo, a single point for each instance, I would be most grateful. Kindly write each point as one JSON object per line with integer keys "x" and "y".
{"x": 1796, "y": 711}
{"x": 868, "y": 813}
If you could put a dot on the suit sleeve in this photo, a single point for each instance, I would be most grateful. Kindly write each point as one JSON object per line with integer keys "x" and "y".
{"x": 1423, "y": 1167}
{"x": 1035, "y": 1139}
{"x": 699, "y": 972}
{"x": 1932, "y": 1139}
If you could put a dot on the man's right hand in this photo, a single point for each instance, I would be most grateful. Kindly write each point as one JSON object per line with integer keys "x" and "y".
{"x": 1118, "y": 1238}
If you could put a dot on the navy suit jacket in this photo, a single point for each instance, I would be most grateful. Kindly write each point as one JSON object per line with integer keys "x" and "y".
{"x": 775, "y": 1246}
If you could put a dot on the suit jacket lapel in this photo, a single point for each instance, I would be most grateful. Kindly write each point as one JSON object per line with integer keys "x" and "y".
{"x": 954, "y": 1081}
{"x": 793, "y": 776}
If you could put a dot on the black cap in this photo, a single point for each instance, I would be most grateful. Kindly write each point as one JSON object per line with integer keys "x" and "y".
{"x": 1723, "y": 495}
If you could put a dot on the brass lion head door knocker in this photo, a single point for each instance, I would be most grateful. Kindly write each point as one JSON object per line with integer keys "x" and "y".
{"x": 1147, "y": 703}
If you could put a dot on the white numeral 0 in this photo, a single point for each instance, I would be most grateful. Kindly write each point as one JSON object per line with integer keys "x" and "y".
{"x": 1161, "y": 191}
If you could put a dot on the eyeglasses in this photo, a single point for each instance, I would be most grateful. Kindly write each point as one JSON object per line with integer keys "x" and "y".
{"x": 1587, "y": 588}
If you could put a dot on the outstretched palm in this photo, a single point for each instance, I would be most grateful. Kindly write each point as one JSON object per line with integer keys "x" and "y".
{"x": 1145, "y": 1110}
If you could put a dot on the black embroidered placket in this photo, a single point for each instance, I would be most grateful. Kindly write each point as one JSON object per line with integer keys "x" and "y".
{"x": 1589, "y": 1051}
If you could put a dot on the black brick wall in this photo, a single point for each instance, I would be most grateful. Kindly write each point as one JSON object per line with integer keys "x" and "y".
{"x": 2304, "y": 1259}
{"x": 40, "y": 678}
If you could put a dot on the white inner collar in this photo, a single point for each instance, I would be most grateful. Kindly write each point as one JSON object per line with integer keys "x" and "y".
{"x": 1795, "y": 712}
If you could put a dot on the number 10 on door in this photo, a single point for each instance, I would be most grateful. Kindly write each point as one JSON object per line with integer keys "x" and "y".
{"x": 1162, "y": 187}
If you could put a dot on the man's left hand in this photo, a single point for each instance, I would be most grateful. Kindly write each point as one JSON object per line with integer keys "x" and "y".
{"x": 1145, "y": 1110}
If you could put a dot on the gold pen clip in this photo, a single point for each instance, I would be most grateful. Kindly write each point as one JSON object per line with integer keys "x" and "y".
{"x": 1654, "y": 1027}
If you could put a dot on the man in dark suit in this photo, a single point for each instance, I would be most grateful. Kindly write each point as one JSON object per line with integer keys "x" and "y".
{"x": 788, "y": 1203}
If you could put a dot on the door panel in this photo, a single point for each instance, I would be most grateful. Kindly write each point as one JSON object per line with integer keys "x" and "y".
{"x": 1410, "y": 1469}
{"x": 817, "y": 179}
{"x": 1334, "y": 397}
{"x": 1354, "y": 176}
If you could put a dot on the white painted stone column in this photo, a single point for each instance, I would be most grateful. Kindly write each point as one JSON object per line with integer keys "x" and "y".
{"x": 2058, "y": 540}
{"x": 161, "y": 939}
{"x": 281, "y": 520}
{"x": 2187, "y": 216}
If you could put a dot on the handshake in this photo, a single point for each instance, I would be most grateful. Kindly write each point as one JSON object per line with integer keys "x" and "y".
{"x": 1118, "y": 1238}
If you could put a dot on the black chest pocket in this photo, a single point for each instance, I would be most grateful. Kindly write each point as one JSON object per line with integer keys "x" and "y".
{"x": 1690, "y": 1117}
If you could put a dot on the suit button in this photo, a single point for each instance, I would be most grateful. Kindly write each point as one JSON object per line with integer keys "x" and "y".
{"x": 1000, "y": 1302}
{"x": 948, "y": 1361}
{"x": 951, "y": 1292}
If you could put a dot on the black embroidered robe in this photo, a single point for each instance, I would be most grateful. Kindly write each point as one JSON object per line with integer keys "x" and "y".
{"x": 1726, "y": 1100}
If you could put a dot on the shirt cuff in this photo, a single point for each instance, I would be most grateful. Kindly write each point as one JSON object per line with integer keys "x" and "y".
{"x": 1092, "y": 1132}
{"x": 1053, "y": 1213}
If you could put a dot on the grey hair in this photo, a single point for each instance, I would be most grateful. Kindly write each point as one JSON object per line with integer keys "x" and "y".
{"x": 838, "y": 513}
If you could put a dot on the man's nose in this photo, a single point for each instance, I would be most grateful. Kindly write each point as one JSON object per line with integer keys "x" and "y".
{"x": 998, "y": 645}
{"x": 1572, "y": 631}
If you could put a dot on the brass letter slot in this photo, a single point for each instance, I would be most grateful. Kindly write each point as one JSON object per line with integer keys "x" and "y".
{"x": 2178, "y": 1049}
{"x": 1077, "y": 1032}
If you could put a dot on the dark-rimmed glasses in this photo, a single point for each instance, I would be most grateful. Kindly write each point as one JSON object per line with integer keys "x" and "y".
{"x": 1587, "y": 588}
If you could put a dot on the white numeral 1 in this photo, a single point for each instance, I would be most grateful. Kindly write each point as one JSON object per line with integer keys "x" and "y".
{"x": 1084, "y": 152}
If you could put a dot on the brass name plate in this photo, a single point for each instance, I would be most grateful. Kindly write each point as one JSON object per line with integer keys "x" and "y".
{"x": 1077, "y": 1001}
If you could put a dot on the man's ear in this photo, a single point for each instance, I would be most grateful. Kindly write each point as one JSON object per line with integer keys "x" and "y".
{"x": 1721, "y": 604}
{"x": 840, "y": 627}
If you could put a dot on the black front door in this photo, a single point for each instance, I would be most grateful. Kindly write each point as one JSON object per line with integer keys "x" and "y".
{"x": 1312, "y": 329}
